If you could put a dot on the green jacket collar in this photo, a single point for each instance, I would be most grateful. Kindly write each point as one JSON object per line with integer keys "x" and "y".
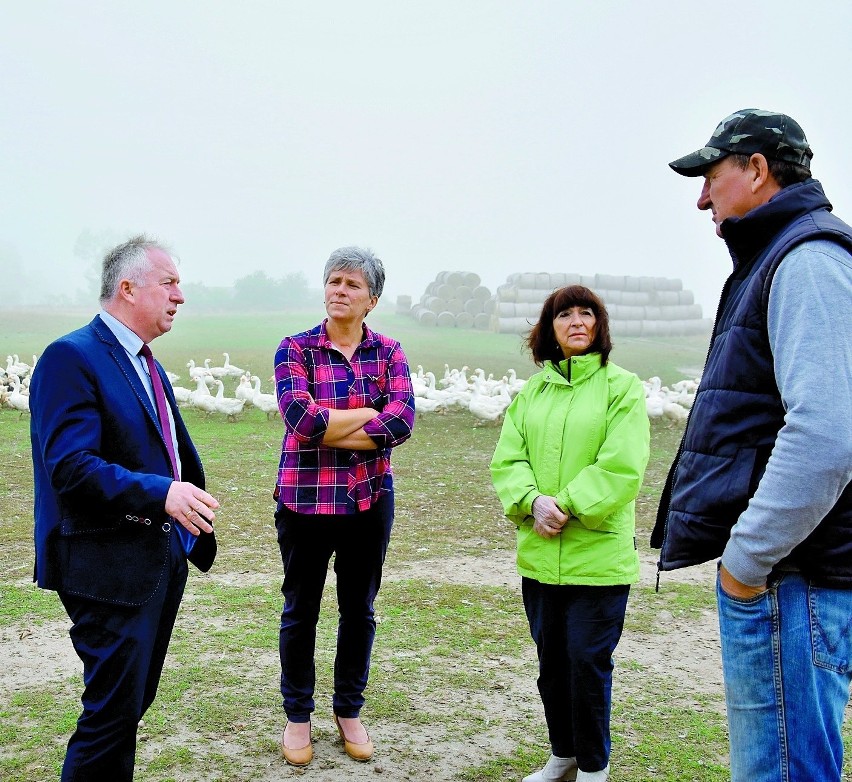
{"x": 571, "y": 371}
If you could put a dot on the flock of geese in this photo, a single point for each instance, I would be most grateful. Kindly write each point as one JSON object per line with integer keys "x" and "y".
{"x": 15, "y": 384}
{"x": 487, "y": 398}
{"x": 206, "y": 377}
{"x": 484, "y": 397}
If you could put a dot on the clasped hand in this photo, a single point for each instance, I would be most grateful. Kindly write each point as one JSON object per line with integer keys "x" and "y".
{"x": 191, "y": 507}
{"x": 549, "y": 517}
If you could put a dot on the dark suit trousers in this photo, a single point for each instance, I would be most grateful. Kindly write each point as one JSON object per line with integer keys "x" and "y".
{"x": 123, "y": 650}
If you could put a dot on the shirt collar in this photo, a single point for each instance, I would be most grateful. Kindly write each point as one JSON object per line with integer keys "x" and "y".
{"x": 368, "y": 337}
{"x": 128, "y": 339}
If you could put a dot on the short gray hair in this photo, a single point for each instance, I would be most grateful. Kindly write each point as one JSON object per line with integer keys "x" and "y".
{"x": 128, "y": 261}
{"x": 357, "y": 259}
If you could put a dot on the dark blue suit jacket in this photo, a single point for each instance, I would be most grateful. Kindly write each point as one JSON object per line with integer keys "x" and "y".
{"x": 102, "y": 472}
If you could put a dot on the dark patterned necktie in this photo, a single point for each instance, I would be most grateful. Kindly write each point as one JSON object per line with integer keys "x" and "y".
{"x": 186, "y": 537}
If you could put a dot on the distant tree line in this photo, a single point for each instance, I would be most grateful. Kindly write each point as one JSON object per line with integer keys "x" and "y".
{"x": 255, "y": 291}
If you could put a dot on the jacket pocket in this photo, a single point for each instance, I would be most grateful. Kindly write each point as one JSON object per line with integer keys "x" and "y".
{"x": 112, "y": 561}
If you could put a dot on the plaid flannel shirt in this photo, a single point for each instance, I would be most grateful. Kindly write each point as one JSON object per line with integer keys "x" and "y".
{"x": 311, "y": 376}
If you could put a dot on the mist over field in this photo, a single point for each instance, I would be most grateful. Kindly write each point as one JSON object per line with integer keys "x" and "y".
{"x": 491, "y": 137}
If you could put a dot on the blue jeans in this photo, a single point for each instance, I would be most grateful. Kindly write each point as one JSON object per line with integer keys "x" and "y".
{"x": 576, "y": 629}
{"x": 359, "y": 543}
{"x": 787, "y": 663}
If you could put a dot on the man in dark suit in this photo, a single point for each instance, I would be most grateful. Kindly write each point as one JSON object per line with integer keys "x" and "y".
{"x": 120, "y": 503}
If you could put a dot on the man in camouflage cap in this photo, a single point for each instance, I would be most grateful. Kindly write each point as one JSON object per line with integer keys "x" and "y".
{"x": 762, "y": 477}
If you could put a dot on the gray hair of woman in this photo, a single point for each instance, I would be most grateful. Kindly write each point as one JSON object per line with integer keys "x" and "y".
{"x": 128, "y": 261}
{"x": 360, "y": 260}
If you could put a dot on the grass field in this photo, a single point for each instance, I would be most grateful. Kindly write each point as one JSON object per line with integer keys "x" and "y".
{"x": 452, "y": 690}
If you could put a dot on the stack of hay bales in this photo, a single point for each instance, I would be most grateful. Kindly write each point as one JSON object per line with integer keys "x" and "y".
{"x": 637, "y": 306}
{"x": 454, "y": 300}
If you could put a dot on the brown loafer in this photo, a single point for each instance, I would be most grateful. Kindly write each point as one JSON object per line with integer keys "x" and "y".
{"x": 297, "y": 756}
{"x": 360, "y": 752}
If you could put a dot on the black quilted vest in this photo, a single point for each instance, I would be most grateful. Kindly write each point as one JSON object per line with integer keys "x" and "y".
{"x": 738, "y": 412}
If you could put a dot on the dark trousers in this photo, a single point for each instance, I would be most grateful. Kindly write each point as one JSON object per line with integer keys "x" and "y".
{"x": 123, "y": 650}
{"x": 359, "y": 543}
{"x": 576, "y": 629}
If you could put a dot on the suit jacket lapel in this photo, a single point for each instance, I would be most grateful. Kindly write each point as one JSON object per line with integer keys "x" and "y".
{"x": 119, "y": 355}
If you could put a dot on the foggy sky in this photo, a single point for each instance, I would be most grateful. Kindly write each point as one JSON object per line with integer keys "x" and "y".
{"x": 486, "y": 136}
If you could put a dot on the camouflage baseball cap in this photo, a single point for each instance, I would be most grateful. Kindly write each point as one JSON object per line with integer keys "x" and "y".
{"x": 745, "y": 132}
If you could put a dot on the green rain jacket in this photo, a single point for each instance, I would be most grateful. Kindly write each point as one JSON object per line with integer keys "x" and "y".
{"x": 585, "y": 441}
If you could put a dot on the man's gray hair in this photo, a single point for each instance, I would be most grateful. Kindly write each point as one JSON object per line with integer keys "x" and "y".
{"x": 357, "y": 259}
{"x": 128, "y": 261}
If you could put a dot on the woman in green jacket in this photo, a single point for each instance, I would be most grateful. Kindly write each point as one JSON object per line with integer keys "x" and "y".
{"x": 567, "y": 468}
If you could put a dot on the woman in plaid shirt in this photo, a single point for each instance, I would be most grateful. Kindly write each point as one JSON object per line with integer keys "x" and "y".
{"x": 345, "y": 394}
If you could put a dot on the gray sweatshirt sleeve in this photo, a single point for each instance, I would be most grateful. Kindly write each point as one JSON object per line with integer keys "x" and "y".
{"x": 810, "y": 333}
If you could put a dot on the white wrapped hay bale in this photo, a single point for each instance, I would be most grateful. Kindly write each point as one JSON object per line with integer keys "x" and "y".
{"x": 445, "y": 291}
{"x": 636, "y": 298}
{"x": 463, "y": 292}
{"x": 474, "y": 306}
{"x": 609, "y": 282}
{"x": 625, "y": 312}
{"x": 631, "y": 283}
{"x": 480, "y": 293}
{"x": 426, "y": 317}
{"x": 610, "y": 296}
{"x": 435, "y": 304}
{"x": 464, "y": 320}
{"x": 531, "y": 295}
{"x": 508, "y": 292}
{"x": 667, "y": 298}
{"x": 482, "y": 321}
{"x": 455, "y": 306}
{"x": 681, "y": 312}
{"x": 626, "y": 328}
{"x": 668, "y": 284}
{"x": 542, "y": 281}
{"x": 515, "y": 325}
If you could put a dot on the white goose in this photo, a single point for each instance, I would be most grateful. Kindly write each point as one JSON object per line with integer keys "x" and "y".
{"x": 487, "y": 408}
{"x": 16, "y": 399}
{"x": 515, "y": 383}
{"x": 244, "y": 389}
{"x": 197, "y": 372}
{"x": 201, "y": 397}
{"x": 216, "y": 372}
{"x": 266, "y": 402}
{"x": 422, "y": 405}
{"x": 230, "y": 369}
{"x": 227, "y": 405}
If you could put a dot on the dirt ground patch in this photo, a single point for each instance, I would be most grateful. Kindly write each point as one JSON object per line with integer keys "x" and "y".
{"x": 684, "y": 651}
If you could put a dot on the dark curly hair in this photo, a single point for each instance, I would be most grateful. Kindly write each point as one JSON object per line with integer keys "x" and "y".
{"x": 542, "y": 339}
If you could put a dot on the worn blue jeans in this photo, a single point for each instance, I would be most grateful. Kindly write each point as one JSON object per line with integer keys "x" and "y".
{"x": 787, "y": 663}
